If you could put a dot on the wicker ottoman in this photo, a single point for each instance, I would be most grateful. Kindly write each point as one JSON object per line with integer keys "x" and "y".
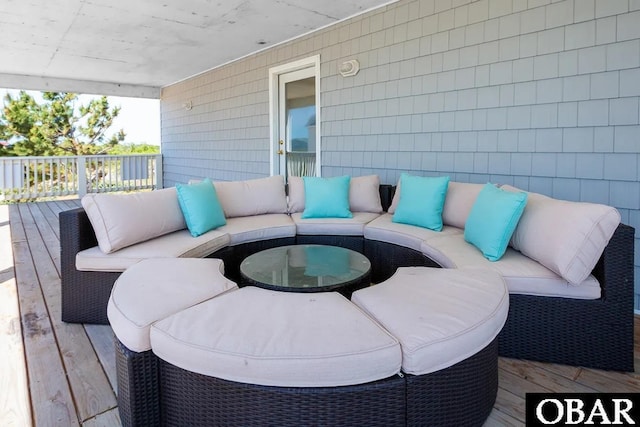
{"x": 262, "y": 357}
{"x": 146, "y": 292}
{"x": 447, "y": 322}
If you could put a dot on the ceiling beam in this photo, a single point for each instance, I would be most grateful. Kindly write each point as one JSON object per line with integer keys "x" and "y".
{"x": 26, "y": 82}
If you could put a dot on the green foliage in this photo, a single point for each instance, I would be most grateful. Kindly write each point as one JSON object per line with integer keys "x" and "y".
{"x": 56, "y": 127}
{"x": 121, "y": 149}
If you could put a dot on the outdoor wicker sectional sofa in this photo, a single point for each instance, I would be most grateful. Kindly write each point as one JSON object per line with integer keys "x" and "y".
{"x": 551, "y": 320}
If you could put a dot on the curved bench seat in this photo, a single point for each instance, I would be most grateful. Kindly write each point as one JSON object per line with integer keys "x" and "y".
{"x": 333, "y": 226}
{"x": 521, "y": 274}
{"x": 235, "y": 357}
{"x": 179, "y": 244}
{"x": 447, "y": 322}
{"x": 273, "y": 338}
{"x": 247, "y": 229}
{"x": 440, "y": 316}
{"x": 383, "y": 229}
{"x": 165, "y": 286}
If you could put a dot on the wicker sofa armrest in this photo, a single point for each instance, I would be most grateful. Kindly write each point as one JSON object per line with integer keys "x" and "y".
{"x": 614, "y": 270}
{"x": 76, "y": 234}
{"x": 84, "y": 293}
{"x": 589, "y": 333}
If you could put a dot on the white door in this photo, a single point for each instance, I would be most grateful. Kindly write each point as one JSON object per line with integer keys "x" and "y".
{"x": 295, "y": 142}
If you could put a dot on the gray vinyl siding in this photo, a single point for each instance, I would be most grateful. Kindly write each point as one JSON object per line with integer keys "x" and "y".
{"x": 540, "y": 94}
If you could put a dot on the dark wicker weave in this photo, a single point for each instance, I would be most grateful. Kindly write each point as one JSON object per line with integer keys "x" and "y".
{"x": 386, "y": 195}
{"x": 461, "y": 395}
{"x": 590, "y": 333}
{"x": 232, "y": 256}
{"x": 84, "y": 293}
{"x": 138, "y": 386}
{"x": 191, "y": 399}
{"x": 355, "y": 243}
{"x": 386, "y": 258}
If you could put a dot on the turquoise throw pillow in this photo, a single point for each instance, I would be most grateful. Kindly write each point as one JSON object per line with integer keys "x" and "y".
{"x": 493, "y": 219}
{"x": 200, "y": 206}
{"x": 326, "y": 197}
{"x": 421, "y": 201}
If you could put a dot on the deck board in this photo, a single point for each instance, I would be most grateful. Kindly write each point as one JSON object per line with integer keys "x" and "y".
{"x": 14, "y": 406}
{"x": 510, "y": 404}
{"x": 537, "y": 374}
{"x": 102, "y": 339}
{"x": 71, "y": 368}
{"x": 498, "y": 418}
{"x": 110, "y": 418}
{"x": 90, "y": 386}
{"x": 50, "y": 393}
{"x": 50, "y": 213}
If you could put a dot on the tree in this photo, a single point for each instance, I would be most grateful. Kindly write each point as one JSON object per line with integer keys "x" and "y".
{"x": 56, "y": 126}
{"x": 124, "y": 149}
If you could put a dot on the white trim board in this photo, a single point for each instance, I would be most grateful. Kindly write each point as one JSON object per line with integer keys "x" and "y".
{"x": 274, "y": 73}
{"x": 16, "y": 81}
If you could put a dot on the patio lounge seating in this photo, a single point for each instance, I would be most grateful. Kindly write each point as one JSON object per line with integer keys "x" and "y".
{"x": 585, "y": 322}
{"x": 207, "y": 353}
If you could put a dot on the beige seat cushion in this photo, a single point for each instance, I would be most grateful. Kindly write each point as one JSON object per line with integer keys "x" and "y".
{"x": 566, "y": 237}
{"x": 385, "y": 230}
{"x": 260, "y": 227}
{"x": 252, "y": 197}
{"x": 179, "y": 244}
{"x": 154, "y": 289}
{"x": 522, "y": 274}
{"x": 121, "y": 220}
{"x": 440, "y": 316}
{"x": 278, "y": 339}
{"x": 333, "y": 226}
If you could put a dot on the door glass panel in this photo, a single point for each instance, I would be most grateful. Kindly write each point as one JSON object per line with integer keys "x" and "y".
{"x": 300, "y": 114}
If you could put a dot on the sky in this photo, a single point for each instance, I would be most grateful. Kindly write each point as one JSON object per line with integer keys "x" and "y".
{"x": 140, "y": 118}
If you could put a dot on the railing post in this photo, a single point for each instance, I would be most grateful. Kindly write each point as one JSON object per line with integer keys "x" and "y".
{"x": 158, "y": 172}
{"x": 81, "y": 164}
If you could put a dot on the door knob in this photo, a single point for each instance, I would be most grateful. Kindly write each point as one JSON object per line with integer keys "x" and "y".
{"x": 280, "y": 152}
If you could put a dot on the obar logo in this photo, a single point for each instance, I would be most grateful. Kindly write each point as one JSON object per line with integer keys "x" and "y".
{"x": 583, "y": 409}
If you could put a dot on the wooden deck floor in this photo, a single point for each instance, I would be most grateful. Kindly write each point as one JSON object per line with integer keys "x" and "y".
{"x": 58, "y": 374}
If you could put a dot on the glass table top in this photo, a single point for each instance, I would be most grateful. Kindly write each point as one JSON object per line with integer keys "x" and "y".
{"x": 300, "y": 267}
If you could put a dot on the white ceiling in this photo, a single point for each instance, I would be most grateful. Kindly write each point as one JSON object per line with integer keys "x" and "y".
{"x": 135, "y": 47}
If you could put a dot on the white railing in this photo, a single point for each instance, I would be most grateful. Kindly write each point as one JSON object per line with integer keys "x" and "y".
{"x": 25, "y": 178}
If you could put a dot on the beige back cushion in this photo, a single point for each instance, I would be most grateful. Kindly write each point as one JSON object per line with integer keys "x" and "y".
{"x": 121, "y": 220}
{"x": 566, "y": 237}
{"x": 296, "y": 194}
{"x": 457, "y": 204}
{"x": 252, "y": 197}
{"x": 364, "y": 194}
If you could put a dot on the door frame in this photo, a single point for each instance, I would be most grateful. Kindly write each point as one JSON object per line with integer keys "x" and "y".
{"x": 274, "y": 113}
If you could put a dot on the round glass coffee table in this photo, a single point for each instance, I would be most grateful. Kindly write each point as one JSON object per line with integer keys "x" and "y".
{"x": 307, "y": 268}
